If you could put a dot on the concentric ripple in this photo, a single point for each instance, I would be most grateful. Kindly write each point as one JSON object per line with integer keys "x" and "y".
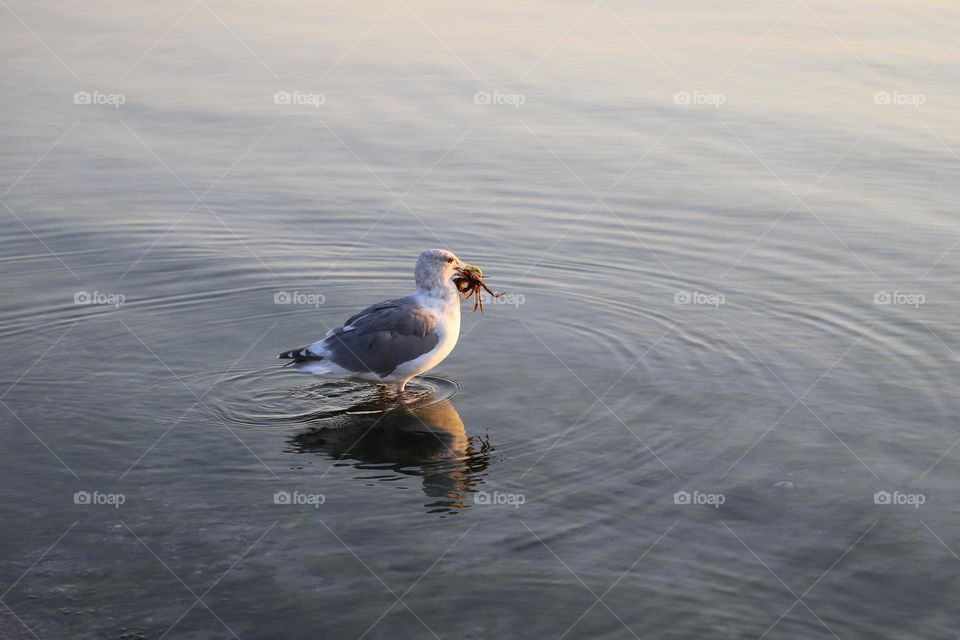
{"x": 266, "y": 397}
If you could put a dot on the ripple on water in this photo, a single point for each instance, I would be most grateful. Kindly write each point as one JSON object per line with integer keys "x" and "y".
{"x": 266, "y": 397}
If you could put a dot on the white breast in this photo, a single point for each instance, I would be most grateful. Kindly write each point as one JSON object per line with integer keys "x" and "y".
{"x": 447, "y": 312}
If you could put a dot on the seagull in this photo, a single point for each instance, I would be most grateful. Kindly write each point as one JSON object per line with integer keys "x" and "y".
{"x": 395, "y": 340}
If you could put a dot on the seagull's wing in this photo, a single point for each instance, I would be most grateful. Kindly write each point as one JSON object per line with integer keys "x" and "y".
{"x": 377, "y": 339}
{"x": 393, "y": 303}
{"x": 384, "y": 336}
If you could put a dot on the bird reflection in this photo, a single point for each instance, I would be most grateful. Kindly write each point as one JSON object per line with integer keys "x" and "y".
{"x": 424, "y": 439}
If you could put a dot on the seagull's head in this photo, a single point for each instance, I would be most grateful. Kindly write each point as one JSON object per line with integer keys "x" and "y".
{"x": 436, "y": 270}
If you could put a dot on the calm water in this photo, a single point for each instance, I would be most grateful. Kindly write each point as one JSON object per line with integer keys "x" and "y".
{"x": 730, "y": 238}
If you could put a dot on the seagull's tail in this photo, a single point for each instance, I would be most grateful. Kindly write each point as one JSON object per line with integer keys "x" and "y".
{"x": 311, "y": 358}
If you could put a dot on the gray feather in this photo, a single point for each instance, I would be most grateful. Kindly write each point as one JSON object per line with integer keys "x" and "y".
{"x": 383, "y": 336}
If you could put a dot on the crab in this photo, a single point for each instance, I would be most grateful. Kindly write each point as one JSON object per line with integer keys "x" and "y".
{"x": 471, "y": 285}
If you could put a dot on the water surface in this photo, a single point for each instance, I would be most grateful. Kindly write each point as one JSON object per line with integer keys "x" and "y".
{"x": 730, "y": 238}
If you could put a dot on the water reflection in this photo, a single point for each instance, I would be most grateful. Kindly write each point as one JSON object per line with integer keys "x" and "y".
{"x": 427, "y": 439}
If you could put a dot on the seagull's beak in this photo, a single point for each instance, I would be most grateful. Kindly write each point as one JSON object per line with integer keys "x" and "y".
{"x": 465, "y": 269}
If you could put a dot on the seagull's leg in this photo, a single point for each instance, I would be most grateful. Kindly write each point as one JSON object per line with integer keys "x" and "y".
{"x": 400, "y": 396}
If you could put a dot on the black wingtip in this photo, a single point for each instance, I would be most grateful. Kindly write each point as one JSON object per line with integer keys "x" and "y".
{"x": 299, "y": 354}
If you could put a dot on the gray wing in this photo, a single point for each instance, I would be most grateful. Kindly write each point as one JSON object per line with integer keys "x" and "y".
{"x": 383, "y": 336}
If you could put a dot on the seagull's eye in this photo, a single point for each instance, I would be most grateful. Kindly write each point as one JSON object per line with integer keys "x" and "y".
{"x": 449, "y": 259}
